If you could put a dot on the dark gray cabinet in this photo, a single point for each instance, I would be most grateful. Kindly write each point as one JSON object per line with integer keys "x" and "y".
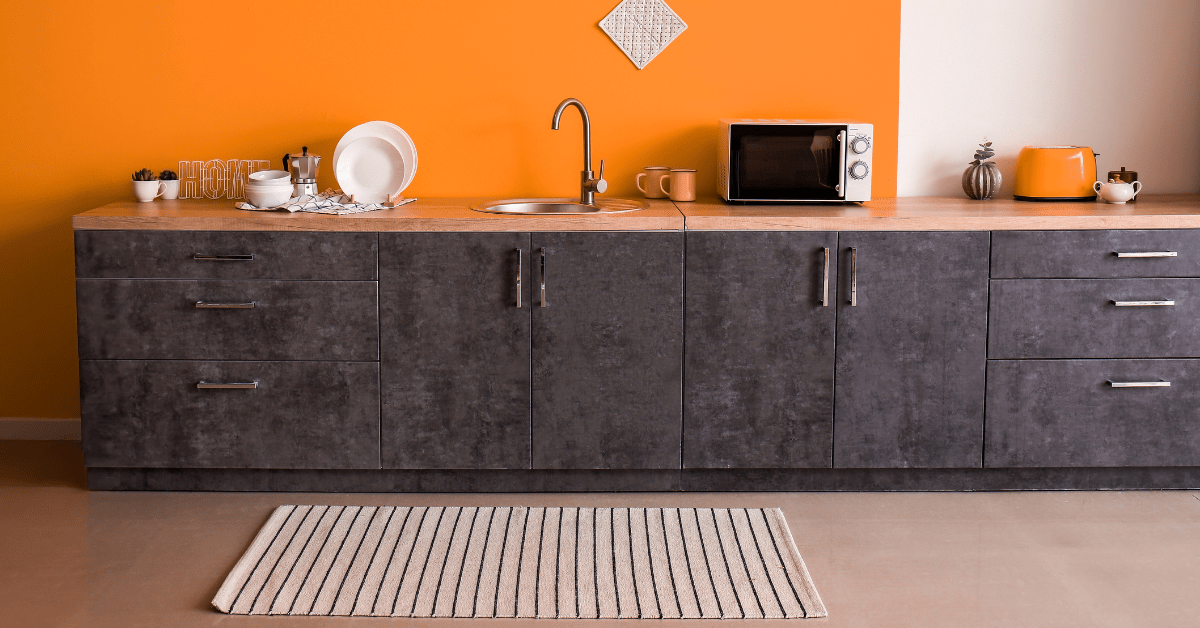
{"x": 759, "y": 349}
{"x": 607, "y": 350}
{"x": 910, "y": 364}
{"x": 455, "y": 350}
{"x": 283, "y": 415}
{"x": 1093, "y": 413}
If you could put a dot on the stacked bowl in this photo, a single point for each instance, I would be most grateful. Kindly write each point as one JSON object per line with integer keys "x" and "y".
{"x": 269, "y": 188}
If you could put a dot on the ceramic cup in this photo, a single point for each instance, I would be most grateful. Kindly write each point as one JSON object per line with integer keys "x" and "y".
{"x": 170, "y": 190}
{"x": 653, "y": 176}
{"x": 146, "y": 191}
{"x": 680, "y": 185}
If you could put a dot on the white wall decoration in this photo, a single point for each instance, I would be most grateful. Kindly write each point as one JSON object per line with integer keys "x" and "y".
{"x": 642, "y": 29}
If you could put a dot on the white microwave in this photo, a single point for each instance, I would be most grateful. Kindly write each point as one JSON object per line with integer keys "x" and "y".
{"x": 794, "y": 161}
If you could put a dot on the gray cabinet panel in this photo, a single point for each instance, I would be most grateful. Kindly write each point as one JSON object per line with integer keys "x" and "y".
{"x": 1064, "y": 413}
{"x": 455, "y": 350}
{"x": 276, "y": 255}
{"x": 1085, "y": 254}
{"x": 608, "y": 351}
{"x": 758, "y": 378}
{"x": 1077, "y": 318}
{"x": 144, "y": 319}
{"x": 910, "y": 360}
{"x": 303, "y": 415}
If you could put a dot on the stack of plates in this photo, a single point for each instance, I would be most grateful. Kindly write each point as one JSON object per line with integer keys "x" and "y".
{"x": 374, "y": 162}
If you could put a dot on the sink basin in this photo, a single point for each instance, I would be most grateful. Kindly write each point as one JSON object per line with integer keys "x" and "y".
{"x": 558, "y": 206}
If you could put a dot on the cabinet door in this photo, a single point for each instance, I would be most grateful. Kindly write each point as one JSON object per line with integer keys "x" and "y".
{"x": 758, "y": 378}
{"x": 454, "y": 350}
{"x": 607, "y": 350}
{"x": 911, "y": 349}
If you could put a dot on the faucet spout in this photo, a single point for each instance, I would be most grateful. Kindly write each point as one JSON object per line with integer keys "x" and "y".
{"x": 587, "y": 127}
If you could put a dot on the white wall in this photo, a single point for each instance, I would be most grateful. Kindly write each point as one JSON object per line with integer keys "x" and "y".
{"x": 1121, "y": 77}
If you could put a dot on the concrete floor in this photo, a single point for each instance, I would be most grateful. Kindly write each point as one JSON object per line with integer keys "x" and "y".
{"x": 77, "y": 558}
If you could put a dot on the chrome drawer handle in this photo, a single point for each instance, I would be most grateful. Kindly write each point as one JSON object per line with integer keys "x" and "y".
{"x": 209, "y": 305}
{"x": 1139, "y": 384}
{"x": 1147, "y": 254}
{"x": 1141, "y": 303}
{"x": 224, "y": 258}
{"x": 227, "y": 385}
{"x": 853, "y": 276}
{"x": 825, "y": 282}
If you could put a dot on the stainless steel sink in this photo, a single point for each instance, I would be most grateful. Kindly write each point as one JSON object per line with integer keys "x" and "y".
{"x": 559, "y": 206}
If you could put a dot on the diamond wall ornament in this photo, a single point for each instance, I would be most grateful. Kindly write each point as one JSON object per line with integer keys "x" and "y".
{"x": 642, "y": 28}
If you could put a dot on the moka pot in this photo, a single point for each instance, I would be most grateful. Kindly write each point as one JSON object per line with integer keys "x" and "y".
{"x": 304, "y": 172}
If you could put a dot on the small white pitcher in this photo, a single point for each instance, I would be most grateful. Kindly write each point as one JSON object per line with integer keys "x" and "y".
{"x": 1117, "y": 192}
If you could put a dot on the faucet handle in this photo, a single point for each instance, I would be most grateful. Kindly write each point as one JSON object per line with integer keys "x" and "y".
{"x": 601, "y": 184}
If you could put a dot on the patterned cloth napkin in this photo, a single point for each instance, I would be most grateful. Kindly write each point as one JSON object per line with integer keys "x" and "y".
{"x": 328, "y": 202}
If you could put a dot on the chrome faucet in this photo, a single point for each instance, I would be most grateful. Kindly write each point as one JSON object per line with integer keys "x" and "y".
{"x": 588, "y": 186}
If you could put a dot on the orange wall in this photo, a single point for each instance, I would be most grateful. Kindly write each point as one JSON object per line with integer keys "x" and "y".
{"x": 95, "y": 90}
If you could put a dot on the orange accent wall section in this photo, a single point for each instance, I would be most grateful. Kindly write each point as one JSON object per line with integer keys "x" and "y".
{"x": 96, "y": 90}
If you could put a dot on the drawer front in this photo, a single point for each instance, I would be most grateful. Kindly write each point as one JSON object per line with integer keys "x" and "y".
{"x": 154, "y": 319}
{"x": 1094, "y": 254}
{"x": 225, "y": 255}
{"x": 301, "y": 415}
{"x": 1065, "y": 413}
{"x": 1079, "y": 318}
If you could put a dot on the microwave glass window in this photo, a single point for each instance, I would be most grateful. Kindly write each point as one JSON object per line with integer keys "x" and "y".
{"x": 786, "y": 162}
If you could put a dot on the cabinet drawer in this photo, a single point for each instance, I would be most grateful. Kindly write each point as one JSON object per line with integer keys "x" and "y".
{"x": 141, "y": 319}
{"x": 1094, "y": 254}
{"x": 1079, "y": 318}
{"x": 225, "y": 255}
{"x": 302, "y": 415}
{"x": 1066, "y": 413}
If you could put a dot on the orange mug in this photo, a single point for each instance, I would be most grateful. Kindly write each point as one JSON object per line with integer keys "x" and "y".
{"x": 653, "y": 176}
{"x": 681, "y": 183}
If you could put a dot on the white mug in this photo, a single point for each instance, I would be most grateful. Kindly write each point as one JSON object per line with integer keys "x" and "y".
{"x": 146, "y": 191}
{"x": 170, "y": 189}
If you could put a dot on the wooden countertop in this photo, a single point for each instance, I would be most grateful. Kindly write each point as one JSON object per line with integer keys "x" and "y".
{"x": 1161, "y": 211}
{"x": 426, "y": 214}
{"x": 1158, "y": 211}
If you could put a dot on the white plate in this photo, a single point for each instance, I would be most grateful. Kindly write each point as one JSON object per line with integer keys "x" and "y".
{"x": 388, "y": 131}
{"x": 371, "y": 169}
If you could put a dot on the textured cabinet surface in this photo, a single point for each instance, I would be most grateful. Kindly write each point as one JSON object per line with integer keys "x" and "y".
{"x": 1066, "y": 413}
{"x": 455, "y": 350}
{"x": 140, "y": 319}
{"x": 607, "y": 350}
{"x": 303, "y": 415}
{"x": 759, "y": 347}
{"x": 1093, "y": 254}
{"x": 224, "y": 255}
{"x": 1079, "y": 318}
{"x": 910, "y": 362}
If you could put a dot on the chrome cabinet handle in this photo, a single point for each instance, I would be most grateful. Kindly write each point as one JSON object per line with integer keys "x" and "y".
{"x": 227, "y": 385}
{"x": 825, "y": 282}
{"x": 1147, "y": 254}
{"x": 853, "y": 277}
{"x": 1141, "y": 303}
{"x": 210, "y": 305}
{"x": 543, "y": 278}
{"x": 519, "y": 256}
{"x": 1139, "y": 384}
{"x": 224, "y": 258}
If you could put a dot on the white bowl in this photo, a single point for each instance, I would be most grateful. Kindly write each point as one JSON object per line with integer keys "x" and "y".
{"x": 272, "y": 196}
{"x": 269, "y": 175}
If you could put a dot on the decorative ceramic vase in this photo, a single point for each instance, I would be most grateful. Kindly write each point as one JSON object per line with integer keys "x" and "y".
{"x": 981, "y": 181}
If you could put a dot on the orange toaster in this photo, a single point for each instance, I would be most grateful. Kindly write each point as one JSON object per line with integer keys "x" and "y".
{"x": 1055, "y": 173}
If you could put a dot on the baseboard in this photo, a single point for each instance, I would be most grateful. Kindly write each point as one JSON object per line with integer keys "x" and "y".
{"x": 23, "y": 428}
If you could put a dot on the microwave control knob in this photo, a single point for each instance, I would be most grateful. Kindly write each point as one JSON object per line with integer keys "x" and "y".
{"x": 859, "y": 170}
{"x": 860, "y": 144}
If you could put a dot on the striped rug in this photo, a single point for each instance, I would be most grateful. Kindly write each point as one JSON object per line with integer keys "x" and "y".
{"x": 522, "y": 562}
